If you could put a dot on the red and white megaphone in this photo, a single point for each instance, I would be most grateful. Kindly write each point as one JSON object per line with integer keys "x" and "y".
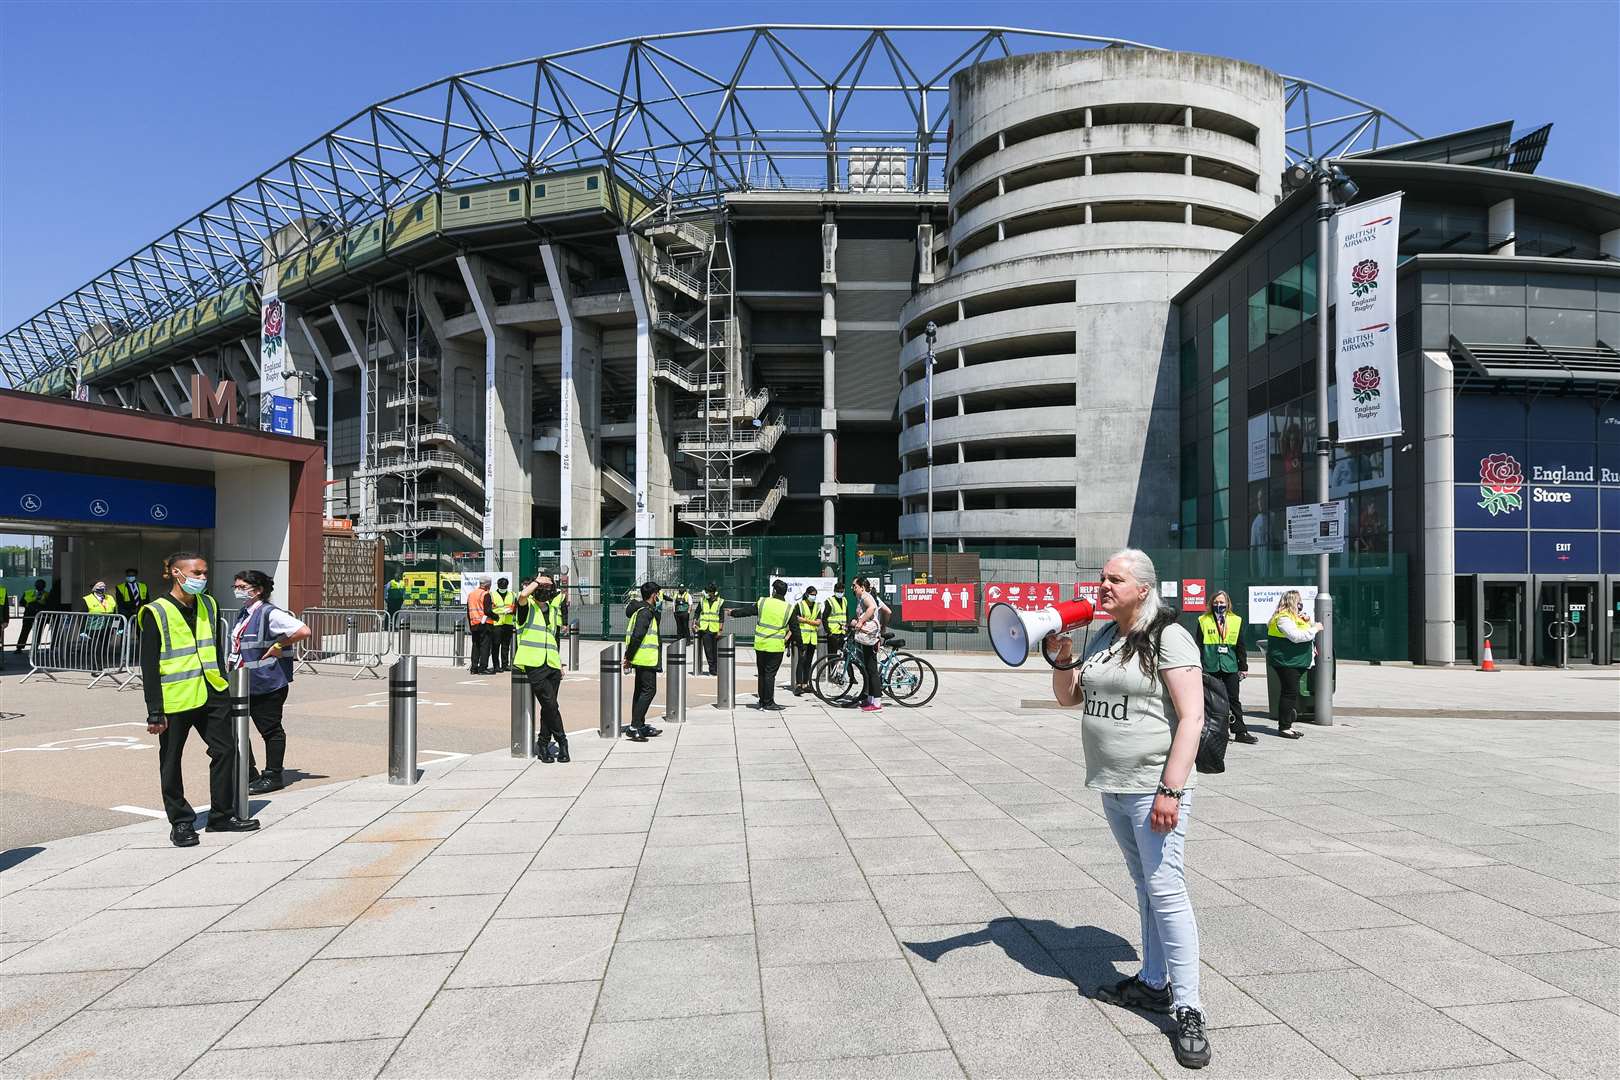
{"x": 1015, "y": 634}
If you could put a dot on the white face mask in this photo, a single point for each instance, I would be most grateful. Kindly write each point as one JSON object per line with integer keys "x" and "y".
{"x": 243, "y": 594}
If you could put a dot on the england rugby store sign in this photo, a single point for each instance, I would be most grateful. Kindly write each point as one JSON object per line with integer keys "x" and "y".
{"x": 1537, "y": 485}
{"x": 1364, "y": 292}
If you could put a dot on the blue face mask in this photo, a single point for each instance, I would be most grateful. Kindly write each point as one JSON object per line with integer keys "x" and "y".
{"x": 195, "y": 585}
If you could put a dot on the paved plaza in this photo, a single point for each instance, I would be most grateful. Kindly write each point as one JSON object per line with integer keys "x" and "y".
{"x": 1429, "y": 888}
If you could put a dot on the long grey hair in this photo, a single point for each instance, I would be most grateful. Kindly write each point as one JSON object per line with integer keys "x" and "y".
{"x": 1152, "y": 616}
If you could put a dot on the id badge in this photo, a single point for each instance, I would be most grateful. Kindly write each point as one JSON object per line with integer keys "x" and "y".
{"x": 1222, "y": 649}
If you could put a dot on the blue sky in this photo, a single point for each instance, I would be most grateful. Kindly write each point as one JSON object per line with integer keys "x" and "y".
{"x": 120, "y": 120}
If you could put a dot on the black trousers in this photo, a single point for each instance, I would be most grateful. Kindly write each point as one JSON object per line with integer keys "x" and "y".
{"x": 803, "y": 663}
{"x": 646, "y": 690}
{"x": 1233, "y": 681}
{"x": 869, "y": 668}
{"x": 503, "y": 646}
{"x": 835, "y": 644}
{"x": 1288, "y": 700}
{"x": 26, "y": 629}
{"x": 769, "y": 663}
{"x": 683, "y": 625}
{"x": 545, "y": 682}
{"x": 483, "y": 644}
{"x": 213, "y": 722}
{"x": 708, "y": 652}
{"x": 266, "y": 712}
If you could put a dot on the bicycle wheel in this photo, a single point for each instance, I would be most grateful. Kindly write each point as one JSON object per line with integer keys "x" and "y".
{"x": 911, "y": 681}
{"x": 835, "y": 680}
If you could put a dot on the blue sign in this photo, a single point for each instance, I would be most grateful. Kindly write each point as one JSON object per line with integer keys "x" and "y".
{"x": 1611, "y": 553}
{"x": 1563, "y": 552}
{"x": 1562, "y": 507}
{"x": 1491, "y": 551}
{"x": 281, "y": 415}
{"x": 47, "y": 495}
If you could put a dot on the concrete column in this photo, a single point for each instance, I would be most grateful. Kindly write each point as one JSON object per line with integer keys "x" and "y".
{"x": 317, "y": 348}
{"x": 1501, "y": 221}
{"x": 355, "y": 338}
{"x": 645, "y": 412}
{"x": 508, "y": 402}
{"x": 580, "y": 413}
{"x": 1439, "y": 511}
{"x": 1609, "y": 243}
{"x": 829, "y": 397}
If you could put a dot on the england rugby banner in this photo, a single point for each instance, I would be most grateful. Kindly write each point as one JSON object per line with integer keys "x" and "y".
{"x": 1364, "y": 290}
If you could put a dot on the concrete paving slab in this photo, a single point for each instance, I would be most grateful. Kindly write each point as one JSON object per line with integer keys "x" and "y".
{"x": 461, "y": 875}
{"x": 707, "y": 864}
{"x": 1489, "y": 925}
{"x": 359, "y": 1060}
{"x": 344, "y": 1000}
{"x": 33, "y": 1004}
{"x": 926, "y": 899}
{"x": 589, "y": 852}
{"x": 1528, "y": 891}
{"x": 822, "y": 1011}
{"x": 125, "y": 1042}
{"x": 1051, "y": 1034}
{"x": 593, "y": 891}
{"x": 726, "y": 1045}
{"x": 526, "y": 952}
{"x": 794, "y": 881}
{"x": 1434, "y": 968}
{"x": 36, "y": 914}
{"x": 211, "y": 882}
{"x": 114, "y": 939}
{"x": 505, "y": 1031}
{"x": 1367, "y": 1025}
{"x": 398, "y": 926}
{"x": 1564, "y": 1036}
{"x": 296, "y": 903}
{"x": 1269, "y": 1050}
{"x": 683, "y": 977}
{"x": 215, "y": 967}
{"x": 1593, "y": 974}
{"x": 682, "y": 911}
{"x": 823, "y": 933}
{"x": 1311, "y": 903}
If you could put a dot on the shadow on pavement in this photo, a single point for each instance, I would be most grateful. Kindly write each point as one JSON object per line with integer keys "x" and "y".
{"x": 16, "y": 856}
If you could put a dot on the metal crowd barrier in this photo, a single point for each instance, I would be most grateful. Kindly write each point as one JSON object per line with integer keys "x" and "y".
{"x": 101, "y": 646}
{"x": 440, "y": 635}
{"x": 347, "y": 637}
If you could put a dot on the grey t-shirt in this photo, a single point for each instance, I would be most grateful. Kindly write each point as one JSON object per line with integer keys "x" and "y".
{"x": 1127, "y": 718}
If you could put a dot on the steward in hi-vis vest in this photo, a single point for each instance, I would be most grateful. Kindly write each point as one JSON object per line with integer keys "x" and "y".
{"x": 185, "y": 688}
{"x": 503, "y": 609}
{"x": 1226, "y": 658}
{"x": 541, "y": 621}
{"x": 642, "y": 655}
{"x": 770, "y": 639}
{"x": 711, "y": 613}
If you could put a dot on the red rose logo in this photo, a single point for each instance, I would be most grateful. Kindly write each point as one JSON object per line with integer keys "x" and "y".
{"x": 1501, "y": 478}
{"x": 1364, "y": 277}
{"x": 1364, "y": 382}
{"x": 272, "y": 319}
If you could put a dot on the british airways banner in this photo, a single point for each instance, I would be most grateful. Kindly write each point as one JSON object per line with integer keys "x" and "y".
{"x": 1364, "y": 290}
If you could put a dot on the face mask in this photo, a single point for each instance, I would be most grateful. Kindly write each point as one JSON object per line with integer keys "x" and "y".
{"x": 130, "y": 578}
{"x": 100, "y": 590}
{"x": 195, "y": 585}
{"x": 810, "y": 597}
{"x": 242, "y": 594}
{"x": 1220, "y": 609}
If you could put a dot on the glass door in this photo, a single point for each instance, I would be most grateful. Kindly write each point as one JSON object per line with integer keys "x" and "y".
{"x": 1566, "y": 623}
{"x": 1503, "y": 612}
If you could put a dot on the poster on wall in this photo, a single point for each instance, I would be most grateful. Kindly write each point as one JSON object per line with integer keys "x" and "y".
{"x": 1369, "y": 397}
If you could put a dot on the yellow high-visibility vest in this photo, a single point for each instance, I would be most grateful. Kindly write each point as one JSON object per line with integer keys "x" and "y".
{"x": 770, "y": 633}
{"x": 188, "y": 662}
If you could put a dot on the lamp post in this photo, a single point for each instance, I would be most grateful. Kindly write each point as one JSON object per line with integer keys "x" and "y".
{"x": 931, "y": 331}
{"x": 1329, "y": 180}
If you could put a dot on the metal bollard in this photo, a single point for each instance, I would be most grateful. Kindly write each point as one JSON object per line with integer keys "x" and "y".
{"x": 353, "y": 642}
{"x": 612, "y": 692}
{"x": 403, "y": 638}
{"x": 573, "y": 645}
{"x": 458, "y": 644}
{"x": 675, "y": 683}
{"x": 725, "y": 696}
{"x": 240, "y": 715}
{"x": 402, "y": 721}
{"x": 522, "y": 715}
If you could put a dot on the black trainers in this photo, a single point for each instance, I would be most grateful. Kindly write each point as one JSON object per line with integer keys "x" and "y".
{"x": 1192, "y": 1046}
{"x": 1133, "y": 993}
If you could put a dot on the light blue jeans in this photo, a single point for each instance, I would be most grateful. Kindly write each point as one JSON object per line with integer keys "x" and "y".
{"x": 1169, "y": 934}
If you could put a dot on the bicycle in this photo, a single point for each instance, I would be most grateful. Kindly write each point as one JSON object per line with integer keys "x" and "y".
{"x": 906, "y": 679}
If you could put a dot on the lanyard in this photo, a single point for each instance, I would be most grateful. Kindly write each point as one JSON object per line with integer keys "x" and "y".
{"x": 242, "y": 619}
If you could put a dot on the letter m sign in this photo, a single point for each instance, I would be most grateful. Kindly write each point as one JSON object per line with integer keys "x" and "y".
{"x": 209, "y": 402}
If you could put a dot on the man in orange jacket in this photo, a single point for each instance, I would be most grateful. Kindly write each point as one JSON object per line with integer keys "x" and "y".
{"x": 481, "y": 620}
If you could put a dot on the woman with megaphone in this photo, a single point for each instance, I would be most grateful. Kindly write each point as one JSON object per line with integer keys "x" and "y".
{"x": 1140, "y": 688}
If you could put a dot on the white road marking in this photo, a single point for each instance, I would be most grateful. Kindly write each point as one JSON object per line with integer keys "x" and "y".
{"x": 90, "y": 742}
{"x": 126, "y": 723}
{"x": 143, "y": 811}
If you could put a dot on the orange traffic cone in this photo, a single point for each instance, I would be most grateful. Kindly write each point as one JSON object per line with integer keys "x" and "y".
{"x": 1488, "y": 664}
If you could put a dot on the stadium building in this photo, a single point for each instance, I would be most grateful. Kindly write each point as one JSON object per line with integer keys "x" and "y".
{"x": 682, "y": 285}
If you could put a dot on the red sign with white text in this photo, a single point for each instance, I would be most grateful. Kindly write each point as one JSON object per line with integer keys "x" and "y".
{"x": 1193, "y": 595}
{"x": 1087, "y": 590}
{"x": 1024, "y": 595}
{"x": 938, "y": 603}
